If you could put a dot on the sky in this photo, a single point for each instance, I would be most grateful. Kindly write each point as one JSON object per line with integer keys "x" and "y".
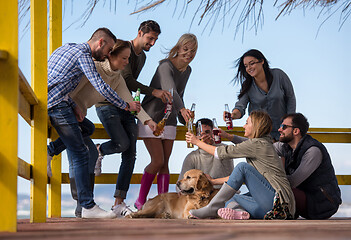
{"x": 314, "y": 56}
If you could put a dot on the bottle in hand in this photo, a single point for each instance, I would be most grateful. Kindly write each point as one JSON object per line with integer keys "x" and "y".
{"x": 190, "y": 129}
{"x": 217, "y": 137}
{"x": 228, "y": 117}
{"x": 136, "y": 99}
{"x": 160, "y": 127}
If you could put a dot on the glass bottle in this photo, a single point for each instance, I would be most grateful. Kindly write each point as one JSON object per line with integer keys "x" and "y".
{"x": 136, "y": 99}
{"x": 190, "y": 129}
{"x": 160, "y": 127}
{"x": 228, "y": 117}
{"x": 217, "y": 137}
{"x": 169, "y": 102}
{"x": 199, "y": 130}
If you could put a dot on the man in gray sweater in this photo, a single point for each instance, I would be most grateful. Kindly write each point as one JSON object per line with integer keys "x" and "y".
{"x": 199, "y": 159}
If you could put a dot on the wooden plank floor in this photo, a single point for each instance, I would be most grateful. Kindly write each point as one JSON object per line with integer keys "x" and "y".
{"x": 169, "y": 229}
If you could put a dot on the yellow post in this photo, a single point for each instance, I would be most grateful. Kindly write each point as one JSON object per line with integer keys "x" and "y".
{"x": 8, "y": 114}
{"x": 38, "y": 9}
{"x": 55, "y": 41}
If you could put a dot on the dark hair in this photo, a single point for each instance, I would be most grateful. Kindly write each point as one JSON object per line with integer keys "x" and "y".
{"x": 299, "y": 121}
{"x": 119, "y": 46}
{"x": 150, "y": 25}
{"x": 243, "y": 78}
{"x": 102, "y": 33}
{"x": 204, "y": 121}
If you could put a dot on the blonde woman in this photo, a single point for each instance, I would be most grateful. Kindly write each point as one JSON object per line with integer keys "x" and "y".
{"x": 172, "y": 73}
{"x": 263, "y": 174}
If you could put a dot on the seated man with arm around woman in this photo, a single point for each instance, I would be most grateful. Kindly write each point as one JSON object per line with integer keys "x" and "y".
{"x": 263, "y": 174}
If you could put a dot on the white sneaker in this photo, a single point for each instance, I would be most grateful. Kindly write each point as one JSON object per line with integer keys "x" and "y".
{"x": 49, "y": 172}
{"x": 121, "y": 210}
{"x": 97, "y": 212}
{"x": 98, "y": 165}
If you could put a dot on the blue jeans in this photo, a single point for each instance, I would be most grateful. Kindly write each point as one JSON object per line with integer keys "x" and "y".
{"x": 259, "y": 200}
{"x": 121, "y": 127}
{"x": 87, "y": 129}
{"x": 64, "y": 121}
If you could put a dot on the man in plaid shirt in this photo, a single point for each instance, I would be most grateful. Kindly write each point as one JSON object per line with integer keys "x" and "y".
{"x": 66, "y": 66}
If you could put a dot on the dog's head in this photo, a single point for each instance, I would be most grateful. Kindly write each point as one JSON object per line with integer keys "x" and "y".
{"x": 195, "y": 182}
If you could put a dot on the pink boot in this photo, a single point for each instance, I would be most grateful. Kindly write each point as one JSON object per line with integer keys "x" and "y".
{"x": 162, "y": 183}
{"x": 145, "y": 185}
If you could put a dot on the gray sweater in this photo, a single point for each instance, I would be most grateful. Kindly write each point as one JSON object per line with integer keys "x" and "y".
{"x": 279, "y": 100}
{"x": 200, "y": 159}
{"x": 166, "y": 77}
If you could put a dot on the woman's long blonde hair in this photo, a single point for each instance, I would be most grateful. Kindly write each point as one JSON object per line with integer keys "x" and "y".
{"x": 184, "y": 39}
{"x": 261, "y": 122}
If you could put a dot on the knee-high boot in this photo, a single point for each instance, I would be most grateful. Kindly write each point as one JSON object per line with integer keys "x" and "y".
{"x": 162, "y": 183}
{"x": 78, "y": 211}
{"x": 145, "y": 185}
{"x": 225, "y": 193}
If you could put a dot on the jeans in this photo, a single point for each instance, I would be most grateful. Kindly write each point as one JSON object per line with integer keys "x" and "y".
{"x": 121, "y": 127}
{"x": 87, "y": 129}
{"x": 64, "y": 121}
{"x": 259, "y": 200}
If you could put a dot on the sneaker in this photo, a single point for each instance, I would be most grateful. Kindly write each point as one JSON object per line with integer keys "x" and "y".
{"x": 49, "y": 172}
{"x": 97, "y": 212}
{"x": 98, "y": 165}
{"x": 231, "y": 214}
{"x": 121, "y": 210}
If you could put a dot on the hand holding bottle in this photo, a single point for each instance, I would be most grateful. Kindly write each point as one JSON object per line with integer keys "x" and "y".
{"x": 152, "y": 125}
{"x": 186, "y": 114}
{"x": 164, "y": 95}
{"x": 134, "y": 106}
{"x": 191, "y": 138}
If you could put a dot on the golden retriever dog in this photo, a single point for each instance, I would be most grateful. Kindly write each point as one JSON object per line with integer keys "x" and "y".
{"x": 195, "y": 192}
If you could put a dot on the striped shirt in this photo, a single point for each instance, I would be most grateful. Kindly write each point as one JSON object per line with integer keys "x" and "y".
{"x": 66, "y": 66}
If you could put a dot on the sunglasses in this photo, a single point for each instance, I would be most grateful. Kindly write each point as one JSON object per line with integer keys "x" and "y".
{"x": 283, "y": 126}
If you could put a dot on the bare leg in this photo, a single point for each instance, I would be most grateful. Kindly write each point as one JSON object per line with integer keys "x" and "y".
{"x": 155, "y": 149}
{"x": 167, "y": 150}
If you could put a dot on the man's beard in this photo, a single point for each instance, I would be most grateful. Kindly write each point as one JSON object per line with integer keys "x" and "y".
{"x": 98, "y": 56}
{"x": 286, "y": 139}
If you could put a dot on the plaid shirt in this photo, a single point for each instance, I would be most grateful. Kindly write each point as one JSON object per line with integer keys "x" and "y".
{"x": 66, "y": 66}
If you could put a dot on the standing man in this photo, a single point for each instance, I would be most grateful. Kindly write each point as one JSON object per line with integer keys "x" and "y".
{"x": 66, "y": 66}
{"x": 146, "y": 38}
{"x": 200, "y": 159}
{"x": 309, "y": 169}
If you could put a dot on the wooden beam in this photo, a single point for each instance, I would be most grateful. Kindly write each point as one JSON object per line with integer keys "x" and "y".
{"x": 8, "y": 114}
{"x": 39, "y": 128}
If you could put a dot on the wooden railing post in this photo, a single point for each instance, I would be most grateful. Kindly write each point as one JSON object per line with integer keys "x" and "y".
{"x": 55, "y": 41}
{"x": 8, "y": 114}
{"x": 39, "y": 128}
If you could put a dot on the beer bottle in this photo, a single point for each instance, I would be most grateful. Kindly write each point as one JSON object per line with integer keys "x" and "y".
{"x": 160, "y": 127}
{"x": 217, "y": 137}
{"x": 136, "y": 99}
{"x": 169, "y": 102}
{"x": 190, "y": 129}
{"x": 199, "y": 129}
{"x": 228, "y": 117}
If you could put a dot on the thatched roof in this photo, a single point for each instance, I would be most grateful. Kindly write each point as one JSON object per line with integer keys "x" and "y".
{"x": 248, "y": 13}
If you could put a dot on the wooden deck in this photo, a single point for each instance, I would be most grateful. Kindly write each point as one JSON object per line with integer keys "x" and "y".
{"x": 71, "y": 228}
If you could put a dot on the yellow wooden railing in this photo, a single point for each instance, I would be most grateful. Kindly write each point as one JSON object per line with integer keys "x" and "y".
{"x": 30, "y": 101}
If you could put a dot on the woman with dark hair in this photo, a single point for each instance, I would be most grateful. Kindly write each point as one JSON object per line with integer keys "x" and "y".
{"x": 263, "y": 88}
{"x": 263, "y": 174}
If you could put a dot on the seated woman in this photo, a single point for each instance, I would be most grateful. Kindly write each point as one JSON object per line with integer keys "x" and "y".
{"x": 263, "y": 175}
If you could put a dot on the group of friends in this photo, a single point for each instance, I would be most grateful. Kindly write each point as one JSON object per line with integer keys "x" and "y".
{"x": 287, "y": 172}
